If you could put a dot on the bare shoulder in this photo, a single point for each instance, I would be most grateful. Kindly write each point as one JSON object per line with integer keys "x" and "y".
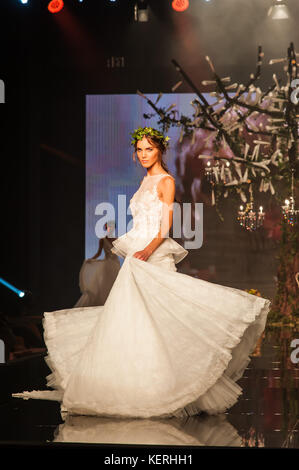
{"x": 166, "y": 185}
{"x": 167, "y": 180}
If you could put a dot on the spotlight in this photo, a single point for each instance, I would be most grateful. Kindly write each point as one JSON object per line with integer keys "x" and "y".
{"x": 180, "y": 5}
{"x": 24, "y": 2}
{"x": 55, "y": 6}
{"x": 141, "y": 11}
{"x": 14, "y": 289}
{"x": 278, "y": 11}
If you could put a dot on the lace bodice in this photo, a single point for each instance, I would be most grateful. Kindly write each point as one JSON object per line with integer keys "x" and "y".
{"x": 146, "y": 208}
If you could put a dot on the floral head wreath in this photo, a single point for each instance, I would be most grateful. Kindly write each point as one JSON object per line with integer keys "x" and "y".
{"x": 139, "y": 133}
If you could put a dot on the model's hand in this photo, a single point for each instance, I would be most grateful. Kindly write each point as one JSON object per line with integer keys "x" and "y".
{"x": 143, "y": 255}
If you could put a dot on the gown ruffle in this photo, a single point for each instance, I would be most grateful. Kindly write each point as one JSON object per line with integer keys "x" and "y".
{"x": 128, "y": 244}
{"x": 174, "y": 346}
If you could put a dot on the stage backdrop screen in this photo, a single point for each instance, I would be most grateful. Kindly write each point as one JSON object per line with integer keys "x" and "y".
{"x": 228, "y": 255}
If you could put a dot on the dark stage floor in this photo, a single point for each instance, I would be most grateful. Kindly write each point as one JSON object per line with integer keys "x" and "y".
{"x": 266, "y": 415}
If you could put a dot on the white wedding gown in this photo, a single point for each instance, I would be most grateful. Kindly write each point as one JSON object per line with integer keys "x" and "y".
{"x": 164, "y": 344}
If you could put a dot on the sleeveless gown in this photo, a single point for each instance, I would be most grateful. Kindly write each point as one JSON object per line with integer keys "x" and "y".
{"x": 96, "y": 278}
{"x": 164, "y": 344}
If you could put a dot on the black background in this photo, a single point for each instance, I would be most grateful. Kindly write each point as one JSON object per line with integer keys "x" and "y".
{"x": 49, "y": 63}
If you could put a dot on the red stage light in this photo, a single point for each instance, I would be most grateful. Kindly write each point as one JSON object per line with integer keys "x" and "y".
{"x": 180, "y": 5}
{"x": 55, "y": 6}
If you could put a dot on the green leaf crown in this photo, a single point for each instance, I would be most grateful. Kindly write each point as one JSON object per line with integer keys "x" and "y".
{"x": 139, "y": 133}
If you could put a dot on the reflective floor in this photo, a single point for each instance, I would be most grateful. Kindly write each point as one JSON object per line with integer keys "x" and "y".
{"x": 266, "y": 415}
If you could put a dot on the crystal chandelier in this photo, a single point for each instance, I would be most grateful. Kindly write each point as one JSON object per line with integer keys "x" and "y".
{"x": 248, "y": 218}
{"x": 209, "y": 173}
{"x": 290, "y": 214}
{"x": 217, "y": 171}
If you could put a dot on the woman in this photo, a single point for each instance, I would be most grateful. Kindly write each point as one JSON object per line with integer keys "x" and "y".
{"x": 164, "y": 344}
{"x": 97, "y": 276}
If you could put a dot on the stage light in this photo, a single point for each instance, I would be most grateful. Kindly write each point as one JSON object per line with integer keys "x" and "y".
{"x": 19, "y": 292}
{"x": 278, "y": 11}
{"x": 55, "y": 6}
{"x": 24, "y": 2}
{"x": 141, "y": 11}
{"x": 180, "y": 5}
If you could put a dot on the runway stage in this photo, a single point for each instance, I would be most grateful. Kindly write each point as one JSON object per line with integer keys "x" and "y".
{"x": 266, "y": 415}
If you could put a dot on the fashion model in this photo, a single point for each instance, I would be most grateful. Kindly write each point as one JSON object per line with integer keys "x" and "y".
{"x": 97, "y": 276}
{"x": 164, "y": 343}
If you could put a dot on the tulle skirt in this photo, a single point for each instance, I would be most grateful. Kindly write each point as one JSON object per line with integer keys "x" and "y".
{"x": 164, "y": 344}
